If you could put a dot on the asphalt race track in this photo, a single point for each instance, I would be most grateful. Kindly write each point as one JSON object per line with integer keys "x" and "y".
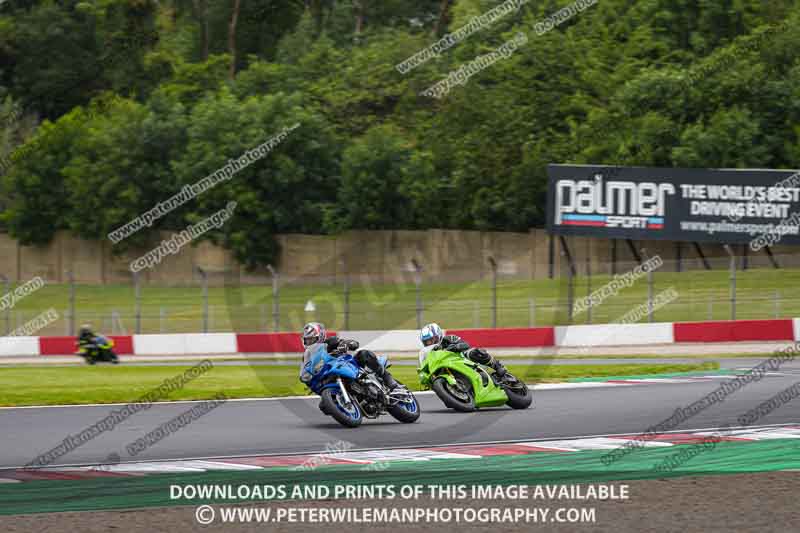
{"x": 281, "y": 426}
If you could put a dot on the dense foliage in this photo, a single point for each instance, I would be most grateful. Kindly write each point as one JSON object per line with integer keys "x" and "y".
{"x": 108, "y": 107}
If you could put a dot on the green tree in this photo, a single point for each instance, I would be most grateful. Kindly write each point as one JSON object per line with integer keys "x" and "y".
{"x": 288, "y": 190}
{"x": 34, "y": 186}
{"x": 731, "y": 139}
{"x": 387, "y": 183}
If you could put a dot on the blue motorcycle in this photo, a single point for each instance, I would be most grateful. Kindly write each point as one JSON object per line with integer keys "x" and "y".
{"x": 350, "y": 393}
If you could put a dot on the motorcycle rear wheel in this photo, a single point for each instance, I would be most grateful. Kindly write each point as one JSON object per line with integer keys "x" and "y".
{"x": 519, "y": 395}
{"x": 406, "y": 413}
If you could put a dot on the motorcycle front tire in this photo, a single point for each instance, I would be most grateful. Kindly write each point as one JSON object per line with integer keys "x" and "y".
{"x": 443, "y": 390}
{"x": 330, "y": 406}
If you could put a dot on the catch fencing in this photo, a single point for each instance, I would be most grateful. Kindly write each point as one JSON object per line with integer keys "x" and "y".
{"x": 694, "y": 289}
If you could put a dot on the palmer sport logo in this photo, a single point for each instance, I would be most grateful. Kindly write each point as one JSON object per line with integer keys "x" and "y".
{"x": 612, "y": 204}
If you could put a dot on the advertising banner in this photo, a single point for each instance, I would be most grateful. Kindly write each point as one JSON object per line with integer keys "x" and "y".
{"x": 676, "y": 204}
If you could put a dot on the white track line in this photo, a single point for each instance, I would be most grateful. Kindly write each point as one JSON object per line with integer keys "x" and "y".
{"x": 538, "y": 386}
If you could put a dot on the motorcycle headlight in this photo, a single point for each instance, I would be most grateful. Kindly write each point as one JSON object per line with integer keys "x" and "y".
{"x": 318, "y": 366}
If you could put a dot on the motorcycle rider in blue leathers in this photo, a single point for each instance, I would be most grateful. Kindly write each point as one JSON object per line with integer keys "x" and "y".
{"x": 315, "y": 333}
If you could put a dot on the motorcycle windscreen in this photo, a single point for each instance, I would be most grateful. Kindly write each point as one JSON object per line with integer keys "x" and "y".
{"x": 423, "y": 353}
{"x": 314, "y": 357}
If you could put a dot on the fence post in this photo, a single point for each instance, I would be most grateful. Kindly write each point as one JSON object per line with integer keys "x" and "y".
{"x": 418, "y": 283}
{"x": 71, "y": 280}
{"x": 493, "y": 266}
{"x": 589, "y": 289}
{"x": 650, "y": 291}
{"x": 138, "y": 303}
{"x": 7, "y": 284}
{"x": 570, "y": 289}
{"x": 276, "y": 311}
{"x": 532, "y": 313}
{"x": 733, "y": 280}
{"x": 650, "y": 286}
{"x": 204, "y": 276}
{"x": 777, "y": 303}
{"x": 347, "y": 301}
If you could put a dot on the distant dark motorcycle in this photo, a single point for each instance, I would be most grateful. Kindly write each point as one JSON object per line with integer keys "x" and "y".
{"x": 98, "y": 350}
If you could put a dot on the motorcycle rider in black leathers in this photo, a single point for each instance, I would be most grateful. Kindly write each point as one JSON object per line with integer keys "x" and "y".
{"x": 86, "y": 340}
{"x": 433, "y": 336}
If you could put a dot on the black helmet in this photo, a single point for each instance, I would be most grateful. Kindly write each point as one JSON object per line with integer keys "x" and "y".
{"x": 86, "y": 329}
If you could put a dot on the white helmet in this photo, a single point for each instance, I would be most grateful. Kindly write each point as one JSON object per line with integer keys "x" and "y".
{"x": 431, "y": 334}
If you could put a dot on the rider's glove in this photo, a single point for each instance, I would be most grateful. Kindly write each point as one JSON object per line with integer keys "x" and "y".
{"x": 352, "y": 345}
{"x": 479, "y": 355}
{"x": 458, "y": 347}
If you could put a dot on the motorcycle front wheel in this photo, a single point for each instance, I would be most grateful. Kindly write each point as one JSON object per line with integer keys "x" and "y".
{"x": 459, "y": 397}
{"x": 333, "y": 403}
{"x": 113, "y": 357}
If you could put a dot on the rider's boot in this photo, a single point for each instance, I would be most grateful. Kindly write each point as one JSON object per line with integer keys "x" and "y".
{"x": 499, "y": 369}
{"x": 389, "y": 380}
{"x": 368, "y": 359}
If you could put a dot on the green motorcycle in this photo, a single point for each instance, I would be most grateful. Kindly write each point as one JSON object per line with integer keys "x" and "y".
{"x": 465, "y": 385}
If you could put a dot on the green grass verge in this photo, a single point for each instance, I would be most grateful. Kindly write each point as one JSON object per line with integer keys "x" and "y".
{"x": 550, "y": 373}
{"x": 699, "y": 356}
{"x": 119, "y": 384}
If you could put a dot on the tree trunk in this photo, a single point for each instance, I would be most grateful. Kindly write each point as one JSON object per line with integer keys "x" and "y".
{"x": 359, "y": 5}
{"x": 441, "y": 22}
{"x": 200, "y": 13}
{"x": 316, "y": 10}
{"x": 232, "y": 36}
